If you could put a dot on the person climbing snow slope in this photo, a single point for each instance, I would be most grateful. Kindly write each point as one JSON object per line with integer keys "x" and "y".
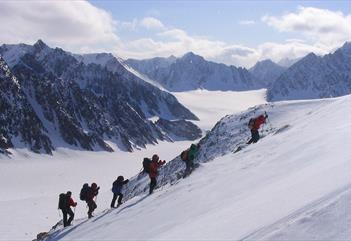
{"x": 117, "y": 190}
{"x": 155, "y": 164}
{"x": 254, "y": 125}
{"x": 65, "y": 204}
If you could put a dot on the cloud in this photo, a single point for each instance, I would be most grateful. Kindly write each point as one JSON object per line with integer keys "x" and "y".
{"x": 74, "y": 25}
{"x": 290, "y": 49}
{"x": 322, "y": 25}
{"x": 152, "y": 23}
{"x": 247, "y": 22}
{"x": 78, "y": 26}
{"x": 127, "y": 25}
{"x": 178, "y": 42}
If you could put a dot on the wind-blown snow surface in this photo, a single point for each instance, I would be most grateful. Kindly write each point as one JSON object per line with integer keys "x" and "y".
{"x": 261, "y": 192}
{"x": 31, "y": 182}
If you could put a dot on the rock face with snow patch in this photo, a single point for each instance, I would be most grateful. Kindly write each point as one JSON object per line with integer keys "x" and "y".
{"x": 84, "y": 104}
{"x": 225, "y": 137}
{"x": 18, "y": 120}
{"x": 179, "y": 129}
{"x": 315, "y": 77}
{"x": 192, "y": 72}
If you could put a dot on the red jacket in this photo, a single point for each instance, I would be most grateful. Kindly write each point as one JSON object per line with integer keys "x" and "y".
{"x": 92, "y": 192}
{"x": 71, "y": 202}
{"x": 154, "y": 166}
{"x": 258, "y": 122}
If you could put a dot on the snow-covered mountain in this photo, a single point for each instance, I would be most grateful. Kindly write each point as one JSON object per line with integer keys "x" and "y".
{"x": 85, "y": 103}
{"x": 192, "y": 72}
{"x": 291, "y": 185}
{"x": 267, "y": 71}
{"x": 315, "y": 77}
{"x": 17, "y": 116}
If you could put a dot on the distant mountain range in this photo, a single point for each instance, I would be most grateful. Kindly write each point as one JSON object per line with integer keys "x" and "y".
{"x": 52, "y": 98}
{"x": 315, "y": 77}
{"x": 192, "y": 72}
{"x": 309, "y": 77}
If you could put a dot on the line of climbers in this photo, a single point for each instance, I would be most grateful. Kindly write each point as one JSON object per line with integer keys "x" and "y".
{"x": 151, "y": 167}
{"x": 89, "y": 193}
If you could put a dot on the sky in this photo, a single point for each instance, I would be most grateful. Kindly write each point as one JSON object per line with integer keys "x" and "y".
{"x": 236, "y": 33}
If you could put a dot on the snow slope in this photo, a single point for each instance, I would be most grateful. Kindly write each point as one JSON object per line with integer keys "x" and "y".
{"x": 299, "y": 166}
{"x": 32, "y": 182}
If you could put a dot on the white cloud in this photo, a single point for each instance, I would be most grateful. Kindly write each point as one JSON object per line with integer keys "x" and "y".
{"x": 78, "y": 26}
{"x": 152, "y": 23}
{"x": 322, "y": 25}
{"x": 128, "y": 25}
{"x": 247, "y": 22}
{"x": 74, "y": 25}
{"x": 289, "y": 49}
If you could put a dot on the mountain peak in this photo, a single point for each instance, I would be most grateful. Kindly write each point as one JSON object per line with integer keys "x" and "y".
{"x": 311, "y": 56}
{"x": 265, "y": 62}
{"x": 40, "y": 45}
{"x": 191, "y": 56}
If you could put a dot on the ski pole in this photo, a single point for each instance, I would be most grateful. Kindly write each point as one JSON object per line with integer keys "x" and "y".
{"x": 58, "y": 210}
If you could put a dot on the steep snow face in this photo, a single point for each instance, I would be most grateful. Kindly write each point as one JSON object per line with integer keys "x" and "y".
{"x": 267, "y": 71}
{"x": 85, "y": 104}
{"x": 301, "y": 161}
{"x": 315, "y": 77}
{"x": 192, "y": 72}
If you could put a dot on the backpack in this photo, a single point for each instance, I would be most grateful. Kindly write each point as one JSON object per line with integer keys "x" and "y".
{"x": 146, "y": 165}
{"x": 84, "y": 192}
{"x": 184, "y": 155}
{"x": 62, "y": 204}
{"x": 251, "y": 123}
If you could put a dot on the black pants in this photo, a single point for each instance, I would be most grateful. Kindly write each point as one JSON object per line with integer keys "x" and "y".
{"x": 115, "y": 195}
{"x": 92, "y": 206}
{"x": 68, "y": 212}
{"x": 153, "y": 184}
{"x": 189, "y": 168}
{"x": 255, "y": 136}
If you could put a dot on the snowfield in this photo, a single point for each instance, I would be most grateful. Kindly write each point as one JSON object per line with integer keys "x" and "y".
{"x": 294, "y": 184}
{"x": 31, "y": 183}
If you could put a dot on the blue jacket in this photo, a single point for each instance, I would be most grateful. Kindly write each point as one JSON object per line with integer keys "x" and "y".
{"x": 118, "y": 185}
